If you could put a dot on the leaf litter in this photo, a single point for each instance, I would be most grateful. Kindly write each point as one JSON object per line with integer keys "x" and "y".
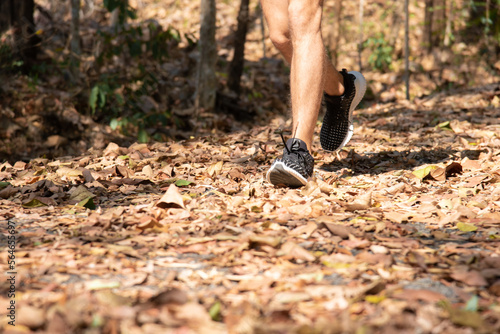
{"x": 401, "y": 230}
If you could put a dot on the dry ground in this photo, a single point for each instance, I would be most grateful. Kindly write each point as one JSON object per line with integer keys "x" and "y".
{"x": 399, "y": 232}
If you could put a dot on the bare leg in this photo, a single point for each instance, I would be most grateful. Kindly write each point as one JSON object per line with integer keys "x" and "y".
{"x": 294, "y": 27}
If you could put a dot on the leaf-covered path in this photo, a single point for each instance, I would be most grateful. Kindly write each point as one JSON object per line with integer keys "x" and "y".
{"x": 398, "y": 233}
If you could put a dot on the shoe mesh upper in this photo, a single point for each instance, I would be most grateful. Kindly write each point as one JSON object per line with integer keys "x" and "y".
{"x": 336, "y": 120}
{"x": 297, "y": 157}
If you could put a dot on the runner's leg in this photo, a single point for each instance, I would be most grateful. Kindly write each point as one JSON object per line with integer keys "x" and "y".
{"x": 307, "y": 68}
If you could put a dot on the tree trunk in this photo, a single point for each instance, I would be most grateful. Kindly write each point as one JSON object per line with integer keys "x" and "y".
{"x": 262, "y": 31}
{"x": 18, "y": 16}
{"x": 206, "y": 80}
{"x": 439, "y": 24}
{"x": 236, "y": 66}
{"x": 407, "y": 49}
{"x": 334, "y": 33}
{"x": 449, "y": 25}
{"x": 360, "y": 43}
{"x": 75, "y": 39}
{"x": 427, "y": 35}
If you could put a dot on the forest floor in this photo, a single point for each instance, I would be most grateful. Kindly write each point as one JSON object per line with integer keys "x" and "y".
{"x": 397, "y": 233}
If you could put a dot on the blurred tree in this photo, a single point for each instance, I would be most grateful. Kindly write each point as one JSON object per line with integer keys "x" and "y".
{"x": 360, "y": 42}
{"x": 236, "y": 66}
{"x": 435, "y": 24}
{"x": 18, "y": 16}
{"x": 427, "y": 33}
{"x": 75, "y": 39}
{"x": 407, "y": 49}
{"x": 206, "y": 80}
{"x": 118, "y": 12}
{"x": 334, "y": 32}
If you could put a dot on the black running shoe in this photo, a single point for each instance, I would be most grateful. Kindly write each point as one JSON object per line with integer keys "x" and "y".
{"x": 294, "y": 168}
{"x": 337, "y": 128}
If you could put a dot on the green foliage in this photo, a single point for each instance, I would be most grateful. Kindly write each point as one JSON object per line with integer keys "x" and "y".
{"x": 381, "y": 53}
{"x": 124, "y": 10}
{"x": 117, "y": 94}
{"x": 8, "y": 62}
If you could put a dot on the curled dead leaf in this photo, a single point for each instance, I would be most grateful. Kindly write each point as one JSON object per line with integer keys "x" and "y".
{"x": 171, "y": 199}
{"x": 266, "y": 240}
{"x": 294, "y": 251}
{"x": 148, "y": 222}
{"x": 338, "y": 229}
{"x": 80, "y": 193}
{"x": 215, "y": 169}
{"x": 363, "y": 202}
{"x": 8, "y": 192}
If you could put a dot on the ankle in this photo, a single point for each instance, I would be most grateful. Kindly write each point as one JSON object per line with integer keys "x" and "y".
{"x": 335, "y": 87}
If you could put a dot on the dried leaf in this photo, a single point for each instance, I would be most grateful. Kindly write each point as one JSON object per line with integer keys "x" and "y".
{"x": 99, "y": 284}
{"x": 8, "y": 192}
{"x": 215, "y": 169}
{"x": 87, "y": 203}
{"x": 171, "y": 199}
{"x": 266, "y": 240}
{"x": 148, "y": 222}
{"x": 34, "y": 203}
{"x": 473, "y": 277}
{"x": 464, "y": 227}
{"x": 362, "y": 202}
{"x": 423, "y": 172}
{"x": 80, "y": 193}
{"x": 338, "y": 229}
{"x": 292, "y": 250}
{"x": 438, "y": 174}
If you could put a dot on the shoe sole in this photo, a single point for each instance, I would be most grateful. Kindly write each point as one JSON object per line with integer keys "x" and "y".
{"x": 279, "y": 174}
{"x": 360, "y": 86}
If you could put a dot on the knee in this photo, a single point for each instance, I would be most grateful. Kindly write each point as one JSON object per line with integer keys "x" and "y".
{"x": 280, "y": 39}
{"x": 304, "y": 17}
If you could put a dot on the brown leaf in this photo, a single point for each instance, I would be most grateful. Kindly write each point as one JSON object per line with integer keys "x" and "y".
{"x": 354, "y": 242}
{"x": 495, "y": 288}
{"x": 112, "y": 149}
{"x": 215, "y": 169}
{"x": 265, "y": 240}
{"x": 342, "y": 231}
{"x": 453, "y": 169}
{"x": 20, "y": 165}
{"x": 363, "y": 202}
{"x": 170, "y": 296}
{"x": 80, "y": 193}
{"x": 8, "y": 192}
{"x": 148, "y": 222}
{"x": 311, "y": 189}
{"x": 171, "y": 199}
{"x": 148, "y": 171}
{"x": 30, "y": 317}
{"x": 468, "y": 164}
{"x": 438, "y": 174}
{"x": 236, "y": 174}
{"x": 294, "y": 251}
{"x": 124, "y": 171}
{"x": 55, "y": 141}
{"x": 472, "y": 278}
{"x": 87, "y": 175}
{"x": 424, "y": 295}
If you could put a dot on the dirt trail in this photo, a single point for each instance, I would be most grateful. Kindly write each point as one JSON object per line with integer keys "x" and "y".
{"x": 397, "y": 233}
